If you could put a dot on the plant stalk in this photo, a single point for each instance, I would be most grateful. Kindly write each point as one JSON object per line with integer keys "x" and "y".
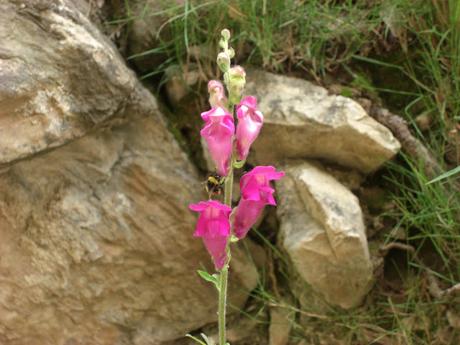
{"x": 228, "y": 189}
{"x": 224, "y": 271}
{"x": 222, "y": 303}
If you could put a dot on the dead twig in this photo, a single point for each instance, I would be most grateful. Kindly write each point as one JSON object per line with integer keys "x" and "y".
{"x": 383, "y": 250}
{"x": 410, "y": 145}
{"x": 436, "y": 291}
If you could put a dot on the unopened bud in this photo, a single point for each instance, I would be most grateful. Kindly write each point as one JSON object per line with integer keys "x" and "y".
{"x": 237, "y": 73}
{"x": 231, "y": 53}
{"x": 216, "y": 94}
{"x": 223, "y": 61}
{"x": 236, "y": 82}
{"x": 225, "y": 34}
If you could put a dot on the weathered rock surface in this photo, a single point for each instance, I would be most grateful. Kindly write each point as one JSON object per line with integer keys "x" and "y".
{"x": 280, "y": 325}
{"x": 59, "y": 77}
{"x": 96, "y": 243}
{"x": 303, "y": 121}
{"x": 322, "y": 230}
{"x": 147, "y": 30}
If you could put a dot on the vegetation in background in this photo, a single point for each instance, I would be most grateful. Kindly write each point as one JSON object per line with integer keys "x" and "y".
{"x": 404, "y": 54}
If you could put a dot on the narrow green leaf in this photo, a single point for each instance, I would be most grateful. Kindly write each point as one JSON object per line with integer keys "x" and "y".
{"x": 208, "y": 340}
{"x": 196, "y": 339}
{"x": 206, "y": 276}
{"x": 210, "y": 278}
{"x": 447, "y": 174}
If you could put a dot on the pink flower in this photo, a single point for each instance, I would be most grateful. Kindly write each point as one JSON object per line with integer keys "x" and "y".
{"x": 218, "y": 132}
{"x": 214, "y": 227}
{"x": 250, "y": 121}
{"x": 216, "y": 94}
{"x": 256, "y": 192}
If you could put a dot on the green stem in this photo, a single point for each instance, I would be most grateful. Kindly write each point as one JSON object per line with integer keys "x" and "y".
{"x": 222, "y": 303}
{"x": 228, "y": 189}
{"x": 224, "y": 270}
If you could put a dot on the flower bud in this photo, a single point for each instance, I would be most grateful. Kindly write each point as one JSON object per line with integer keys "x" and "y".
{"x": 236, "y": 80}
{"x": 216, "y": 94}
{"x": 225, "y": 34}
{"x": 223, "y": 61}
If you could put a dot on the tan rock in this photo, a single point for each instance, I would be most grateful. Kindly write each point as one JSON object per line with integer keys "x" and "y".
{"x": 303, "y": 121}
{"x": 280, "y": 325}
{"x": 59, "y": 77}
{"x": 323, "y": 232}
{"x": 96, "y": 244}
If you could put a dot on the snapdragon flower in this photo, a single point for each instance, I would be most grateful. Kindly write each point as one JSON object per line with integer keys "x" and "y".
{"x": 250, "y": 121}
{"x": 256, "y": 193}
{"x": 213, "y": 227}
{"x": 218, "y": 132}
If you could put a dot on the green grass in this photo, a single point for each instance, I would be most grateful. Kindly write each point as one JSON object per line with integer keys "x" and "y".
{"x": 314, "y": 36}
{"x": 428, "y": 213}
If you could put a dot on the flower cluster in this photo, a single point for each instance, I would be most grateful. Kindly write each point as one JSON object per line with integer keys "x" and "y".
{"x": 229, "y": 147}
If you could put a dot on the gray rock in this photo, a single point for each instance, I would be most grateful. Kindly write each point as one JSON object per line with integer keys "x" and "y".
{"x": 96, "y": 238}
{"x": 323, "y": 232}
{"x": 303, "y": 121}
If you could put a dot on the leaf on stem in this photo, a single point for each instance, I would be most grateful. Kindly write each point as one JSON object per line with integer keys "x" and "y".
{"x": 196, "y": 339}
{"x": 208, "y": 340}
{"x": 214, "y": 278}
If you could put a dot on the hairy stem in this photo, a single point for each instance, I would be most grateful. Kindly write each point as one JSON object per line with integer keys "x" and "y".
{"x": 224, "y": 270}
{"x": 222, "y": 303}
{"x": 228, "y": 189}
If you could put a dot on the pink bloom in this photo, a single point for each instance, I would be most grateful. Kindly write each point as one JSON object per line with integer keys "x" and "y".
{"x": 250, "y": 121}
{"x": 216, "y": 94}
{"x": 214, "y": 227}
{"x": 247, "y": 214}
{"x": 256, "y": 192}
{"x": 218, "y": 132}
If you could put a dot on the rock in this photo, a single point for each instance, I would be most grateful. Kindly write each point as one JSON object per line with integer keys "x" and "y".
{"x": 323, "y": 232}
{"x": 96, "y": 244}
{"x": 59, "y": 78}
{"x": 182, "y": 90}
{"x": 280, "y": 326}
{"x": 180, "y": 84}
{"x": 147, "y": 31}
{"x": 303, "y": 121}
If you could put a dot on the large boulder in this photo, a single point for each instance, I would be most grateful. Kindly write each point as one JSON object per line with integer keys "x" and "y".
{"x": 60, "y": 78}
{"x": 322, "y": 230}
{"x": 96, "y": 244}
{"x": 303, "y": 121}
